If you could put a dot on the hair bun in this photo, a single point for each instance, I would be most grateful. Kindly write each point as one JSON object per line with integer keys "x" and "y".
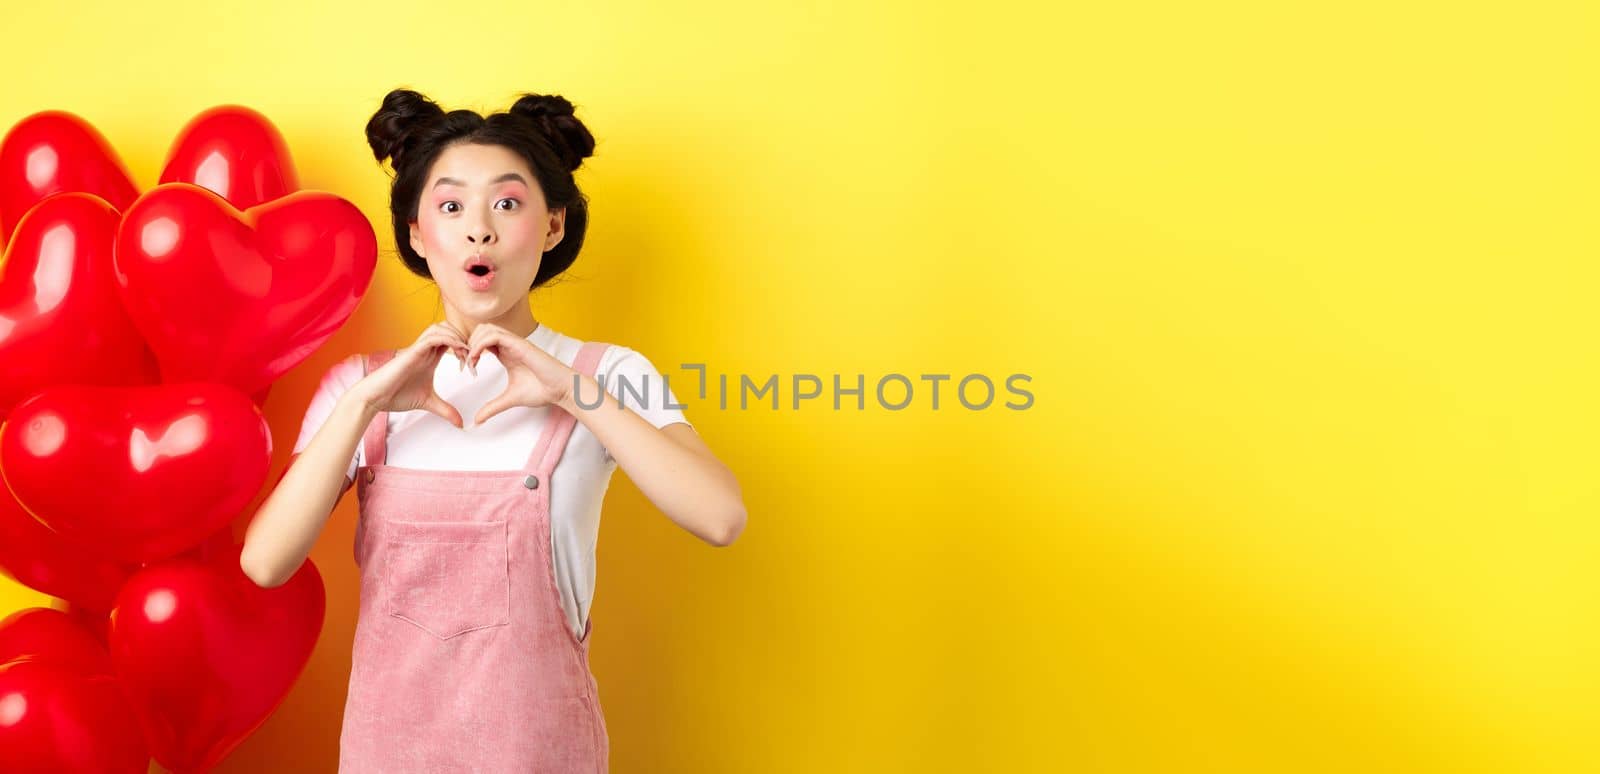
{"x": 540, "y": 105}
{"x": 391, "y": 129}
{"x": 556, "y": 119}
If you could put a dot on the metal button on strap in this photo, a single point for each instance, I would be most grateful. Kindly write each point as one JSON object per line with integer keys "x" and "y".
{"x": 531, "y": 482}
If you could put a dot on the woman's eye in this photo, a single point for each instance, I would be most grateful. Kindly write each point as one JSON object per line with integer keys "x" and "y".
{"x": 513, "y": 201}
{"x": 447, "y": 205}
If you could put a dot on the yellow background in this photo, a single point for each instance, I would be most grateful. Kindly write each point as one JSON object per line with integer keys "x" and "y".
{"x": 1306, "y": 297}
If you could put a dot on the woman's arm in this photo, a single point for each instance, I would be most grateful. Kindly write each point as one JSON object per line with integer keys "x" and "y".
{"x": 671, "y": 465}
{"x": 288, "y": 522}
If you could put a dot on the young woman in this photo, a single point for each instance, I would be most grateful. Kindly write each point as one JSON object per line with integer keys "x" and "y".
{"x": 476, "y": 537}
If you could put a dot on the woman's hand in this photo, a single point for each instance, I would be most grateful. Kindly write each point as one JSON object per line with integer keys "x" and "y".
{"x": 533, "y": 377}
{"x": 405, "y": 383}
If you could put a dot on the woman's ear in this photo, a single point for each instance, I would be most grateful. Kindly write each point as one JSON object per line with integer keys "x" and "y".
{"x": 558, "y": 228}
{"x": 416, "y": 240}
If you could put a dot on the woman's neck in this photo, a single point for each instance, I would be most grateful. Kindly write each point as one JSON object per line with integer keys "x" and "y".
{"x": 518, "y": 320}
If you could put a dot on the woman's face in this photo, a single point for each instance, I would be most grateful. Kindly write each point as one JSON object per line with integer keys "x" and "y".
{"x": 482, "y": 205}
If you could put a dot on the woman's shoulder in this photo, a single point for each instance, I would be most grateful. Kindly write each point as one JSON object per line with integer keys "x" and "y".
{"x": 567, "y": 347}
{"x": 344, "y": 373}
{"x": 636, "y": 381}
{"x": 336, "y": 379}
{"x": 612, "y": 354}
{"x": 360, "y": 362}
{"x": 615, "y": 357}
{"x": 618, "y": 362}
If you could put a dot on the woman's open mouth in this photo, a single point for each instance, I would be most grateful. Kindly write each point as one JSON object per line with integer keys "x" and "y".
{"x": 480, "y": 277}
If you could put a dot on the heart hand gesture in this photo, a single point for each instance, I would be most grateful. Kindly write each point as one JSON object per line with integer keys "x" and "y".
{"x": 533, "y": 377}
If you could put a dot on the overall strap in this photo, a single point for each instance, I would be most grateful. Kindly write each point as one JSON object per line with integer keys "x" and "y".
{"x": 374, "y": 443}
{"x": 558, "y": 423}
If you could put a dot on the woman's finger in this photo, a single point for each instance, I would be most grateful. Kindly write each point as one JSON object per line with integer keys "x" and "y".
{"x": 453, "y": 329}
{"x": 484, "y": 331}
{"x": 437, "y": 405}
{"x": 455, "y": 334}
{"x": 446, "y": 338}
{"x": 425, "y": 346}
{"x": 458, "y": 343}
{"x": 500, "y": 403}
{"x": 433, "y": 347}
{"x": 490, "y": 337}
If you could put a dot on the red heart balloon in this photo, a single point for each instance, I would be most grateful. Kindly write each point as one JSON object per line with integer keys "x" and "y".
{"x": 167, "y": 465}
{"x": 58, "y": 720}
{"x": 55, "y": 151}
{"x": 207, "y": 655}
{"x": 61, "y": 707}
{"x": 45, "y": 561}
{"x": 240, "y": 297}
{"x": 61, "y": 317}
{"x": 55, "y": 636}
{"x": 235, "y": 152}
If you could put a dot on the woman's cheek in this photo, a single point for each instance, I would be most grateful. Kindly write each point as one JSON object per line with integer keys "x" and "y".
{"x": 519, "y": 231}
{"x": 432, "y": 234}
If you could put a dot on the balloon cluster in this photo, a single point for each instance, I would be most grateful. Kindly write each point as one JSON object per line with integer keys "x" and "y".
{"x": 139, "y": 336}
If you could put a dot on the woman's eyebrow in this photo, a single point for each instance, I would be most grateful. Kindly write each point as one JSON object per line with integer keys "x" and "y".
{"x": 501, "y": 179}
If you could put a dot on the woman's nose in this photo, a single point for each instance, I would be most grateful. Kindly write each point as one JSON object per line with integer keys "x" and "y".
{"x": 480, "y": 237}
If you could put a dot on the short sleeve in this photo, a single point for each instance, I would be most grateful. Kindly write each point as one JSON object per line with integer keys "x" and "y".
{"x": 342, "y": 376}
{"x": 633, "y": 380}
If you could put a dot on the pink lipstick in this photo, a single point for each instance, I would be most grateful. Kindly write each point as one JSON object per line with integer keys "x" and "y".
{"x": 480, "y": 273}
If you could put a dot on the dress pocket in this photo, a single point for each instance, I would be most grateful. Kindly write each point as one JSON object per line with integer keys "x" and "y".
{"x": 448, "y": 577}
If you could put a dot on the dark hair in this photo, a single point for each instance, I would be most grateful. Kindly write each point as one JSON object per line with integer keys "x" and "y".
{"x": 410, "y": 130}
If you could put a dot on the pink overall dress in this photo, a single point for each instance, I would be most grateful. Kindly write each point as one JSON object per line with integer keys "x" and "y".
{"x": 463, "y": 658}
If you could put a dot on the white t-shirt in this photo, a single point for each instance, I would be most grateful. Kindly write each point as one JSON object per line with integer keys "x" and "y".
{"x": 421, "y": 439}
